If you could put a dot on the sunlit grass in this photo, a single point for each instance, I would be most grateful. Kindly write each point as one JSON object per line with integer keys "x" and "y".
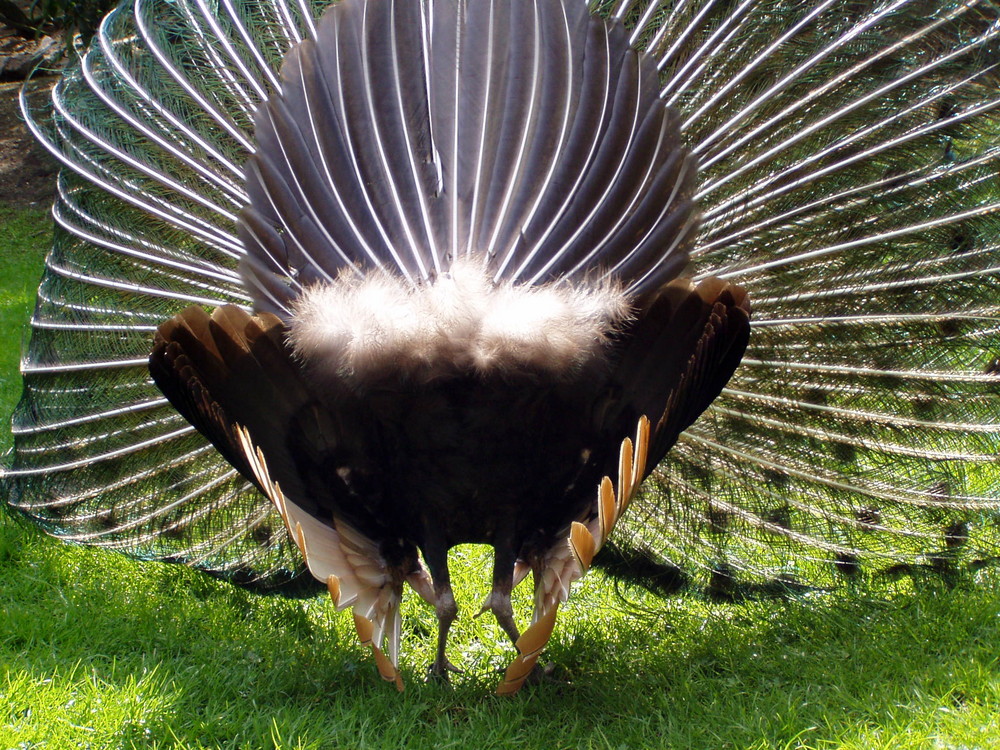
{"x": 100, "y": 651}
{"x": 24, "y": 237}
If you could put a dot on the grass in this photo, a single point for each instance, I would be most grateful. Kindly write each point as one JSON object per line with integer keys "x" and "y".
{"x": 24, "y": 237}
{"x": 99, "y": 651}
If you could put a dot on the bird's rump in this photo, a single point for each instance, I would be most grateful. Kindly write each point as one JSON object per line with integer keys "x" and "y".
{"x": 403, "y": 448}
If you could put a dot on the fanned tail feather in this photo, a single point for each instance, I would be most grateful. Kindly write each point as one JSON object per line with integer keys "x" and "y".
{"x": 842, "y": 159}
{"x": 848, "y": 184}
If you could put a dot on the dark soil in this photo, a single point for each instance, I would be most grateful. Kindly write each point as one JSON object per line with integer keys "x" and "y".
{"x": 27, "y": 171}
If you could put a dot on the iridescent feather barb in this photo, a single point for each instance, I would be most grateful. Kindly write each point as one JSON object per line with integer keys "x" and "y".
{"x": 842, "y": 161}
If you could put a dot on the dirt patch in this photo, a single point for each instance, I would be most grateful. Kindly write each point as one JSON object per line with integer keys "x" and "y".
{"x": 27, "y": 170}
{"x": 19, "y": 55}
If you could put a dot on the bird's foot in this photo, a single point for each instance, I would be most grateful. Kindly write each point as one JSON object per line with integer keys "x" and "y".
{"x": 542, "y": 674}
{"x": 440, "y": 669}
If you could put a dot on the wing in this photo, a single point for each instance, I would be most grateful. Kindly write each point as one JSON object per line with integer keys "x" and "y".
{"x": 218, "y": 370}
{"x": 231, "y": 370}
{"x": 678, "y": 355}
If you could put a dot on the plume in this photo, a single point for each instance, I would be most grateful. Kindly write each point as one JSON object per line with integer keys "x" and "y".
{"x": 532, "y": 203}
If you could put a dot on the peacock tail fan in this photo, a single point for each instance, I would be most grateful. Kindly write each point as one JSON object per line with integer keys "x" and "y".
{"x": 846, "y": 154}
{"x": 848, "y": 183}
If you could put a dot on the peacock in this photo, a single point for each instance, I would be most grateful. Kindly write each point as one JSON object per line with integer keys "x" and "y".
{"x": 704, "y": 292}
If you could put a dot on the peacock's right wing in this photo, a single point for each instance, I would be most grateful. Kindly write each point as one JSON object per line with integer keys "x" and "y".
{"x": 848, "y": 157}
{"x": 152, "y": 127}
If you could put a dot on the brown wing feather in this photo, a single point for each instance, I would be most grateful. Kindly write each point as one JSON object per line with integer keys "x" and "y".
{"x": 684, "y": 346}
{"x": 717, "y": 354}
{"x": 183, "y": 361}
{"x": 232, "y": 368}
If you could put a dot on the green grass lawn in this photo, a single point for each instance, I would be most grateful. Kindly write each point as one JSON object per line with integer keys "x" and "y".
{"x": 24, "y": 238}
{"x": 98, "y": 651}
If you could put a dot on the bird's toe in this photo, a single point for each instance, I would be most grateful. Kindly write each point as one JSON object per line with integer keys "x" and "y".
{"x": 441, "y": 670}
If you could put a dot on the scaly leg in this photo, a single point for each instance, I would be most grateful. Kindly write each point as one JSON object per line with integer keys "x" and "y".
{"x": 498, "y": 602}
{"x": 445, "y": 608}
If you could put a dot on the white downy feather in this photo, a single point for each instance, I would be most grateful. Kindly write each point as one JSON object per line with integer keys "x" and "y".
{"x": 462, "y": 321}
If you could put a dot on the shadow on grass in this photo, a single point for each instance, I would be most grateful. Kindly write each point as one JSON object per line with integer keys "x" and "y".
{"x": 196, "y": 662}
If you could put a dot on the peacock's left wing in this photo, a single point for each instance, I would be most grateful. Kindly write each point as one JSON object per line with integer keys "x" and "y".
{"x": 152, "y": 126}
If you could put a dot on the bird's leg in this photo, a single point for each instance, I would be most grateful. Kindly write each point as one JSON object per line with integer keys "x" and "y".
{"x": 525, "y": 667}
{"x": 498, "y": 602}
{"x": 445, "y": 608}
